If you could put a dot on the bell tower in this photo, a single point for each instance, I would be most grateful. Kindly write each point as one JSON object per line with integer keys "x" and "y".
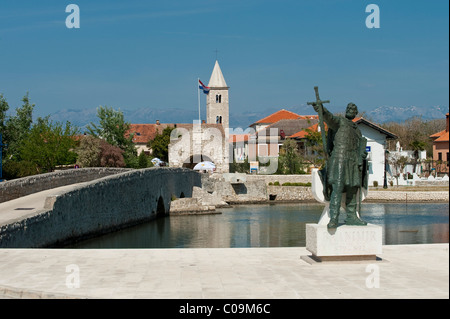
{"x": 217, "y": 107}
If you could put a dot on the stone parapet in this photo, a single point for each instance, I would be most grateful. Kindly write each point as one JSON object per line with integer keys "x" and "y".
{"x": 32, "y": 184}
{"x": 100, "y": 206}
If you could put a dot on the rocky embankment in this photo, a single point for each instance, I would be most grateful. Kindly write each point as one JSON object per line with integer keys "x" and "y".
{"x": 204, "y": 202}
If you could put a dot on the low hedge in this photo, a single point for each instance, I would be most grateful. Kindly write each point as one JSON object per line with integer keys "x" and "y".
{"x": 290, "y": 184}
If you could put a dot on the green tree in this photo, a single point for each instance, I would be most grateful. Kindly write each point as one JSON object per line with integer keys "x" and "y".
{"x": 142, "y": 160}
{"x": 243, "y": 167}
{"x": 95, "y": 152}
{"x": 314, "y": 152}
{"x": 114, "y": 130}
{"x": 289, "y": 161}
{"x": 49, "y": 144}
{"x": 4, "y": 107}
{"x": 160, "y": 144}
{"x": 89, "y": 152}
{"x": 16, "y": 127}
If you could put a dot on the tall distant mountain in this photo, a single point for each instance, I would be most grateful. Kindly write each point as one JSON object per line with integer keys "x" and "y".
{"x": 382, "y": 114}
{"x": 398, "y": 114}
{"x": 82, "y": 117}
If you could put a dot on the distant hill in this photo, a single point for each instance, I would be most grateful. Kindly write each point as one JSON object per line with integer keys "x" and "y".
{"x": 399, "y": 114}
{"x": 382, "y": 114}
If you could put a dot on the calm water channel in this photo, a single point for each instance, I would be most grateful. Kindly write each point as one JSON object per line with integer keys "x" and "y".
{"x": 279, "y": 225}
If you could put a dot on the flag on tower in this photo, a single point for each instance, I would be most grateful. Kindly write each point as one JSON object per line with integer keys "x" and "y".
{"x": 203, "y": 87}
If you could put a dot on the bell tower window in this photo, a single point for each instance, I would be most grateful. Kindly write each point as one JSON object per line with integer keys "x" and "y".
{"x": 218, "y": 98}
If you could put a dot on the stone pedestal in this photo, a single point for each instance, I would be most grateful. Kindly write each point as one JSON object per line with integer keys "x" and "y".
{"x": 344, "y": 242}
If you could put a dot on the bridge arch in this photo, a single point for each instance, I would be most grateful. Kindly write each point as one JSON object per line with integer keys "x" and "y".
{"x": 160, "y": 209}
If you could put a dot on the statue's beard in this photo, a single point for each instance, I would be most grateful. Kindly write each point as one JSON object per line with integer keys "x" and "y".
{"x": 350, "y": 116}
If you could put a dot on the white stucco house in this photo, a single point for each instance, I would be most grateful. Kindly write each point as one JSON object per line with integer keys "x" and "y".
{"x": 377, "y": 138}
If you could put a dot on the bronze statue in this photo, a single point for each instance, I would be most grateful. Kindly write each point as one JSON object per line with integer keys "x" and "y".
{"x": 346, "y": 167}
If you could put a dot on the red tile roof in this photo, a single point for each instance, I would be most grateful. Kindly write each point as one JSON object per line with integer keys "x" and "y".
{"x": 304, "y": 133}
{"x": 443, "y": 137}
{"x": 357, "y": 120}
{"x": 146, "y": 132}
{"x": 438, "y": 134}
{"x": 277, "y": 116}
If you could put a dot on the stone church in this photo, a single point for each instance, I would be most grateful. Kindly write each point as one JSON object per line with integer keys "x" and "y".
{"x": 208, "y": 140}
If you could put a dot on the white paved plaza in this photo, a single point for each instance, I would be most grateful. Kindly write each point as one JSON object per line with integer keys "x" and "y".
{"x": 405, "y": 271}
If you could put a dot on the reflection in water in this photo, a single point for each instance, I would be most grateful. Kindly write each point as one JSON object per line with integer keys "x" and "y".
{"x": 280, "y": 225}
{"x": 410, "y": 223}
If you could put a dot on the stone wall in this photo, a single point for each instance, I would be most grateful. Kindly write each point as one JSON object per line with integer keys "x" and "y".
{"x": 281, "y": 178}
{"x": 289, "y": 193}
{"x": 431, "y": 183}
{"x": 256, "y": 189}
{"x": 248, "y": 191}
{"x": 300, "y": 193}
{"x": 411, "y": 196}
{"x": 100, "y": 206}
{"x": 32, "y": 184}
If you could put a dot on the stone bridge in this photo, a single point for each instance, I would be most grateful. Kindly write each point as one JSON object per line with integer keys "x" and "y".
{"x": 89, "y": 208}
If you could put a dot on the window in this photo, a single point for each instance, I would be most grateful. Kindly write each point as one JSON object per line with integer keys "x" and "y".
{"x": 218, "y": 119}
{"x": 218, "y": 98}
{"x": 439, "y": 156}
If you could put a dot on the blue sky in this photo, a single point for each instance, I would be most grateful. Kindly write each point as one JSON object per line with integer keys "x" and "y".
{"x": 134, "y": 54}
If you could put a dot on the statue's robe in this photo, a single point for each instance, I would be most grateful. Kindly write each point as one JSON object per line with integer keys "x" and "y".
{"x": 346, "y": 165}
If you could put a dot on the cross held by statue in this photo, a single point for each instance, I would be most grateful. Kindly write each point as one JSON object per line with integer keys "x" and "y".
{"x": 319, "y": 103}
{"x": 318, "y": 100}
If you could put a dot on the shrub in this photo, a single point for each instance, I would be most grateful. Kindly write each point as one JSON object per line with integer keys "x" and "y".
{"x": 142, "y": 160}
{"x": 297, "y": 184}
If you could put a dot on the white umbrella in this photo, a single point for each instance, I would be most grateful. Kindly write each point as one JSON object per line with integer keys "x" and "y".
{"x": 156, "y": 161}
{"x": 206, "y": 165}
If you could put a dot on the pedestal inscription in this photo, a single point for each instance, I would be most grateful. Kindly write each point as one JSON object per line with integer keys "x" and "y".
{"x": 344, "y": 242}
